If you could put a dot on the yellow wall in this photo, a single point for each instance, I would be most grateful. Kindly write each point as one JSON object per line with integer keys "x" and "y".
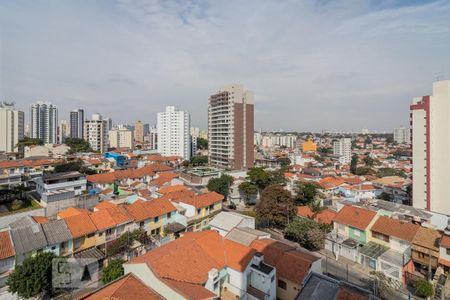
{"x": 88, "y": 242}
{"x": 309, "y": 146}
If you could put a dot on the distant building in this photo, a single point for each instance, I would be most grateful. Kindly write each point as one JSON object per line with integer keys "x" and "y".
{"x": 11, "y": 127}
{"x": 431, "y": 148}
{"x": 95, "y": 132}
{"x": 402, "y": 135}
{"x": 173, "y": 133}
{"x": 343, "y": 149}
{"x": 139, "y": 132}
{"x": 121, "y": 138}
{"x": 44, "y": 122}
{"x": 109, "y": 123}
{"x": 231, "y": 128}
{"x": 77, "y": 123}
{"x": 63, "y": 131}
{"x": 309, "y": 146}
{"x": 153, "y": 138}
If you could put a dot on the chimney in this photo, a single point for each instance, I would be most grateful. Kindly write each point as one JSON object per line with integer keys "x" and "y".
{"x": 258, "y": 259}
{"x": 213, "y": 274}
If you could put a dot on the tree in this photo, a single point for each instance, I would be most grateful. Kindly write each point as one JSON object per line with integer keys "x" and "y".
{"x": 248, "y": 189}
{"x": 69, "y": 167}
{"x": 424, "y": 288}
{"x": 26, "y": 141}
{"x": 306, "y": 192}
{"x": 384, "y": 286}
{"x": 284, "y": 162}
{"x": 33, "y": 276}
{"x": 354, "y": 164}
{"x": 276, "y": 206}
{"x": 198, "y": 160}
{"x": 383, "y": 172}
{"x": 369, "y": 161}
{"x": 78, "y": 145}
{"x": 360, "y": 171}
{"x": 385, "y": 196}
{"x": 259, "y": 177}
{"x": 202, "y": 143}
{"x": 113, "y": 271}
{"x": 306, "y": 232}
{"x": 316, "y": 208}
{"x": 220, "y": 185}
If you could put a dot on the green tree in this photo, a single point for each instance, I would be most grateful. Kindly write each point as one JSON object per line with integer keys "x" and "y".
{"x": 248, "y": 190}
{"x": 220, "y": 185}
{"x": 202, "y": 143}
{"x": 424, "y": 288}
{"x": 383, "y": 172}
{"x": 113, "y": 271}
{"x": 384, "y": 286}
{"x": 360, "y": 171}
{"x": 78, "y": 145}
{"x": 368, "y": 161}
{"x": 276, "y": 206}
{"x": 26, "y": 141}
{"x": 33, "y": 276}
{"x": 198, "y": 160}
{"x": 316, "y": 208}
{"x": 284, "y": 162}
{"x": 306, "y": 192}
{"x": 259, "y": 177}
{"x": 69, "y": 167}
{"x": 354, "y": 164}
{"x": 306, "y": 232}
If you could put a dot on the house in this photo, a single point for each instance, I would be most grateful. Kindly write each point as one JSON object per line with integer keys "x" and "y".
{"x": 58, "y": 236}
{"x": 128, "y": 286}
{"x": 425, "y": 250}
{"x": 204, "y": 265}
{"x": 351, "y": 231}
{"x": 322, "y": 287}
{"x": 326, "y": 216}
{"x": 444, "y": 251}
{"x": 7, "y": 254}
{"x": 11, "y": 171}
{"x": 356, "y": 193}
{"x": 291, "y": 266}
{"x": 226, "y": 221}
{"x": 54, "y": 188}
{"x": 82, "y": 231}
{"x": 389, "y": 249}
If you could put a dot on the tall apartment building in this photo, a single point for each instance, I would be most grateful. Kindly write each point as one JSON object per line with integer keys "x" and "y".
{"x": 343, "y": 148}
{"x": 96, "y": 133}
{"x": 63, "y": 131}
{"x": 121, "y": 138}
{"x": 402, "y": 135}
{"x": 11, "y": 127}
{"x": 153, "y": 138}
{"x": 431, "y": 147}
{"x": 174, "y": 133}
{"x": 139, "y": 132}
{"x": 231, "y": 128}
{"x": 77, "y": 123}
{"x": 44, "y": 122}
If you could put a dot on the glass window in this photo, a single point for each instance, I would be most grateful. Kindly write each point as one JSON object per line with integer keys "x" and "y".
{"x": 282, "y": 284}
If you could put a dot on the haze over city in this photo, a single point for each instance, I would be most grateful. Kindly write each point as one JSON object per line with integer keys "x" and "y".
{"x": 313, "y": 65}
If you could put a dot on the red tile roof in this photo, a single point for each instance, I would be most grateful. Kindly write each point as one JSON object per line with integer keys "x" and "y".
{"x": 326, "y": 216}
{"x": 149, "y": 170}
{"x": 141, "y": 210}
{"x": 80, "y": 225}
{"x": 356, "y": 217}
{"x": 330, "y": 183}
{"x": 171, "y": 189}
{"x": 396, "y": 228}
{"x": 104, "y": 204}
{"x": 192, "y": 291}
{"x": 27, "y": 163}
{"x": 126, "y": 287}
{"x": 164, "y": 178}
{"x": 190, "y": 258}
{"x": 6, "y": 245}
{"x": 445, "y": 241}
{"x": 102, "y": 219}
{"x": 40, "y": 219}
{"x": 202, "y": 200}
{"x": 71, "y": 211}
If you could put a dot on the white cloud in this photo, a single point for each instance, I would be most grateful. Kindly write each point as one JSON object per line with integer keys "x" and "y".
{"x": 312, "y": 64}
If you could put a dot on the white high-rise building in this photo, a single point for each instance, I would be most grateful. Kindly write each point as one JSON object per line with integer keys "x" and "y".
{"x": 44, "y": 122}
{"x": 77, "y": 123}
{"x": 153, "y": 138}
{"x": 431, "y": 147}
{"x": 402, "y": 135}
{"x": 174, "y": 133}
{"x": 11, "y": 127}
{"x": 343, "y": 149}
{"x": 96, "y": 133}
{"x": 63, "y": 131}
{"x": 121, "y": 138}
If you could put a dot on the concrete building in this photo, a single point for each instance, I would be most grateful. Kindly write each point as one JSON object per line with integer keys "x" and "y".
{"x": 231, "y": 128}
{"x": 343, "y": 149}
{"x": 139, "y": 132}
{"x": 153, "y": 138}
{"x": 77, "y": 123}
{"x": 63, "y": 131}
{"x": 402, "y": 135}
{"x": 11, "y": 127}
{"x": 173, "y": 133}
{"x": 95, "y": 132}
{"x": 121, "y": 138}
{"x": 60, "y": 186}
{"x": 431, "y": 147}
{"x": 44, "y": 122}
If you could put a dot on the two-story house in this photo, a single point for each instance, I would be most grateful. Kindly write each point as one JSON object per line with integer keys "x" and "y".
{"x": 58, "y": 237}
{"x": 7, "y": 254}
{"x": 392, "y": 239}
{"x": 82, "y": 231}
{"x": 54, "y": 188}
{"x": 425, "y": 250}
{"x": 351, "y": 231}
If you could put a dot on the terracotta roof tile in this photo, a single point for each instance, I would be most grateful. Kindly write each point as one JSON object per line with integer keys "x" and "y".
{"x": 6, "y": 245}
{"x": 326, "y": 216}
{"x": 71, "y": 211}
{"x": 149, "y": 170}
{"x": 354, "y": 216}
{"x": 141, "y": 210}
{"x": 104, "y": 204}
{"x": 396, "y": 228}
{"x": 427, "y": 238}
{"x": 171, "y": 189}
{"x": 445, "y": 241}
{"x": 80, "y": 225}
{"x": 202, "y": 200}
{"x": 191, "y": 291}
{"x": 40, "y": 219}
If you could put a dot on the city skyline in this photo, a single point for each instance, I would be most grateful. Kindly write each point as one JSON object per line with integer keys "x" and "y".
{"x": 274, "y": 51}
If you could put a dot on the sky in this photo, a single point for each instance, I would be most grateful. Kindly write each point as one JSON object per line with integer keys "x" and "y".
{"x": 337, "y": 65}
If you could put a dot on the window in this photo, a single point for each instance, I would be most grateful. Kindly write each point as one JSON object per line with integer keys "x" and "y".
{"x": 356, "y": 232}
{"x": 141, "y": 224}
{"x": 90, "y": 235}
{"x": 169, "y": 214}
{"x": 380, "y": 236}
{"x": 282, "y": 284}
{"x": 448, "y": 251}
{"x": 198, "y": 211}
{"x": 156, "y": 219}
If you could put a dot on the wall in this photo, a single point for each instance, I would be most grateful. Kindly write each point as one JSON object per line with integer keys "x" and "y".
{"x": 357, "y": 234}
{"x": 291, "y": 291}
